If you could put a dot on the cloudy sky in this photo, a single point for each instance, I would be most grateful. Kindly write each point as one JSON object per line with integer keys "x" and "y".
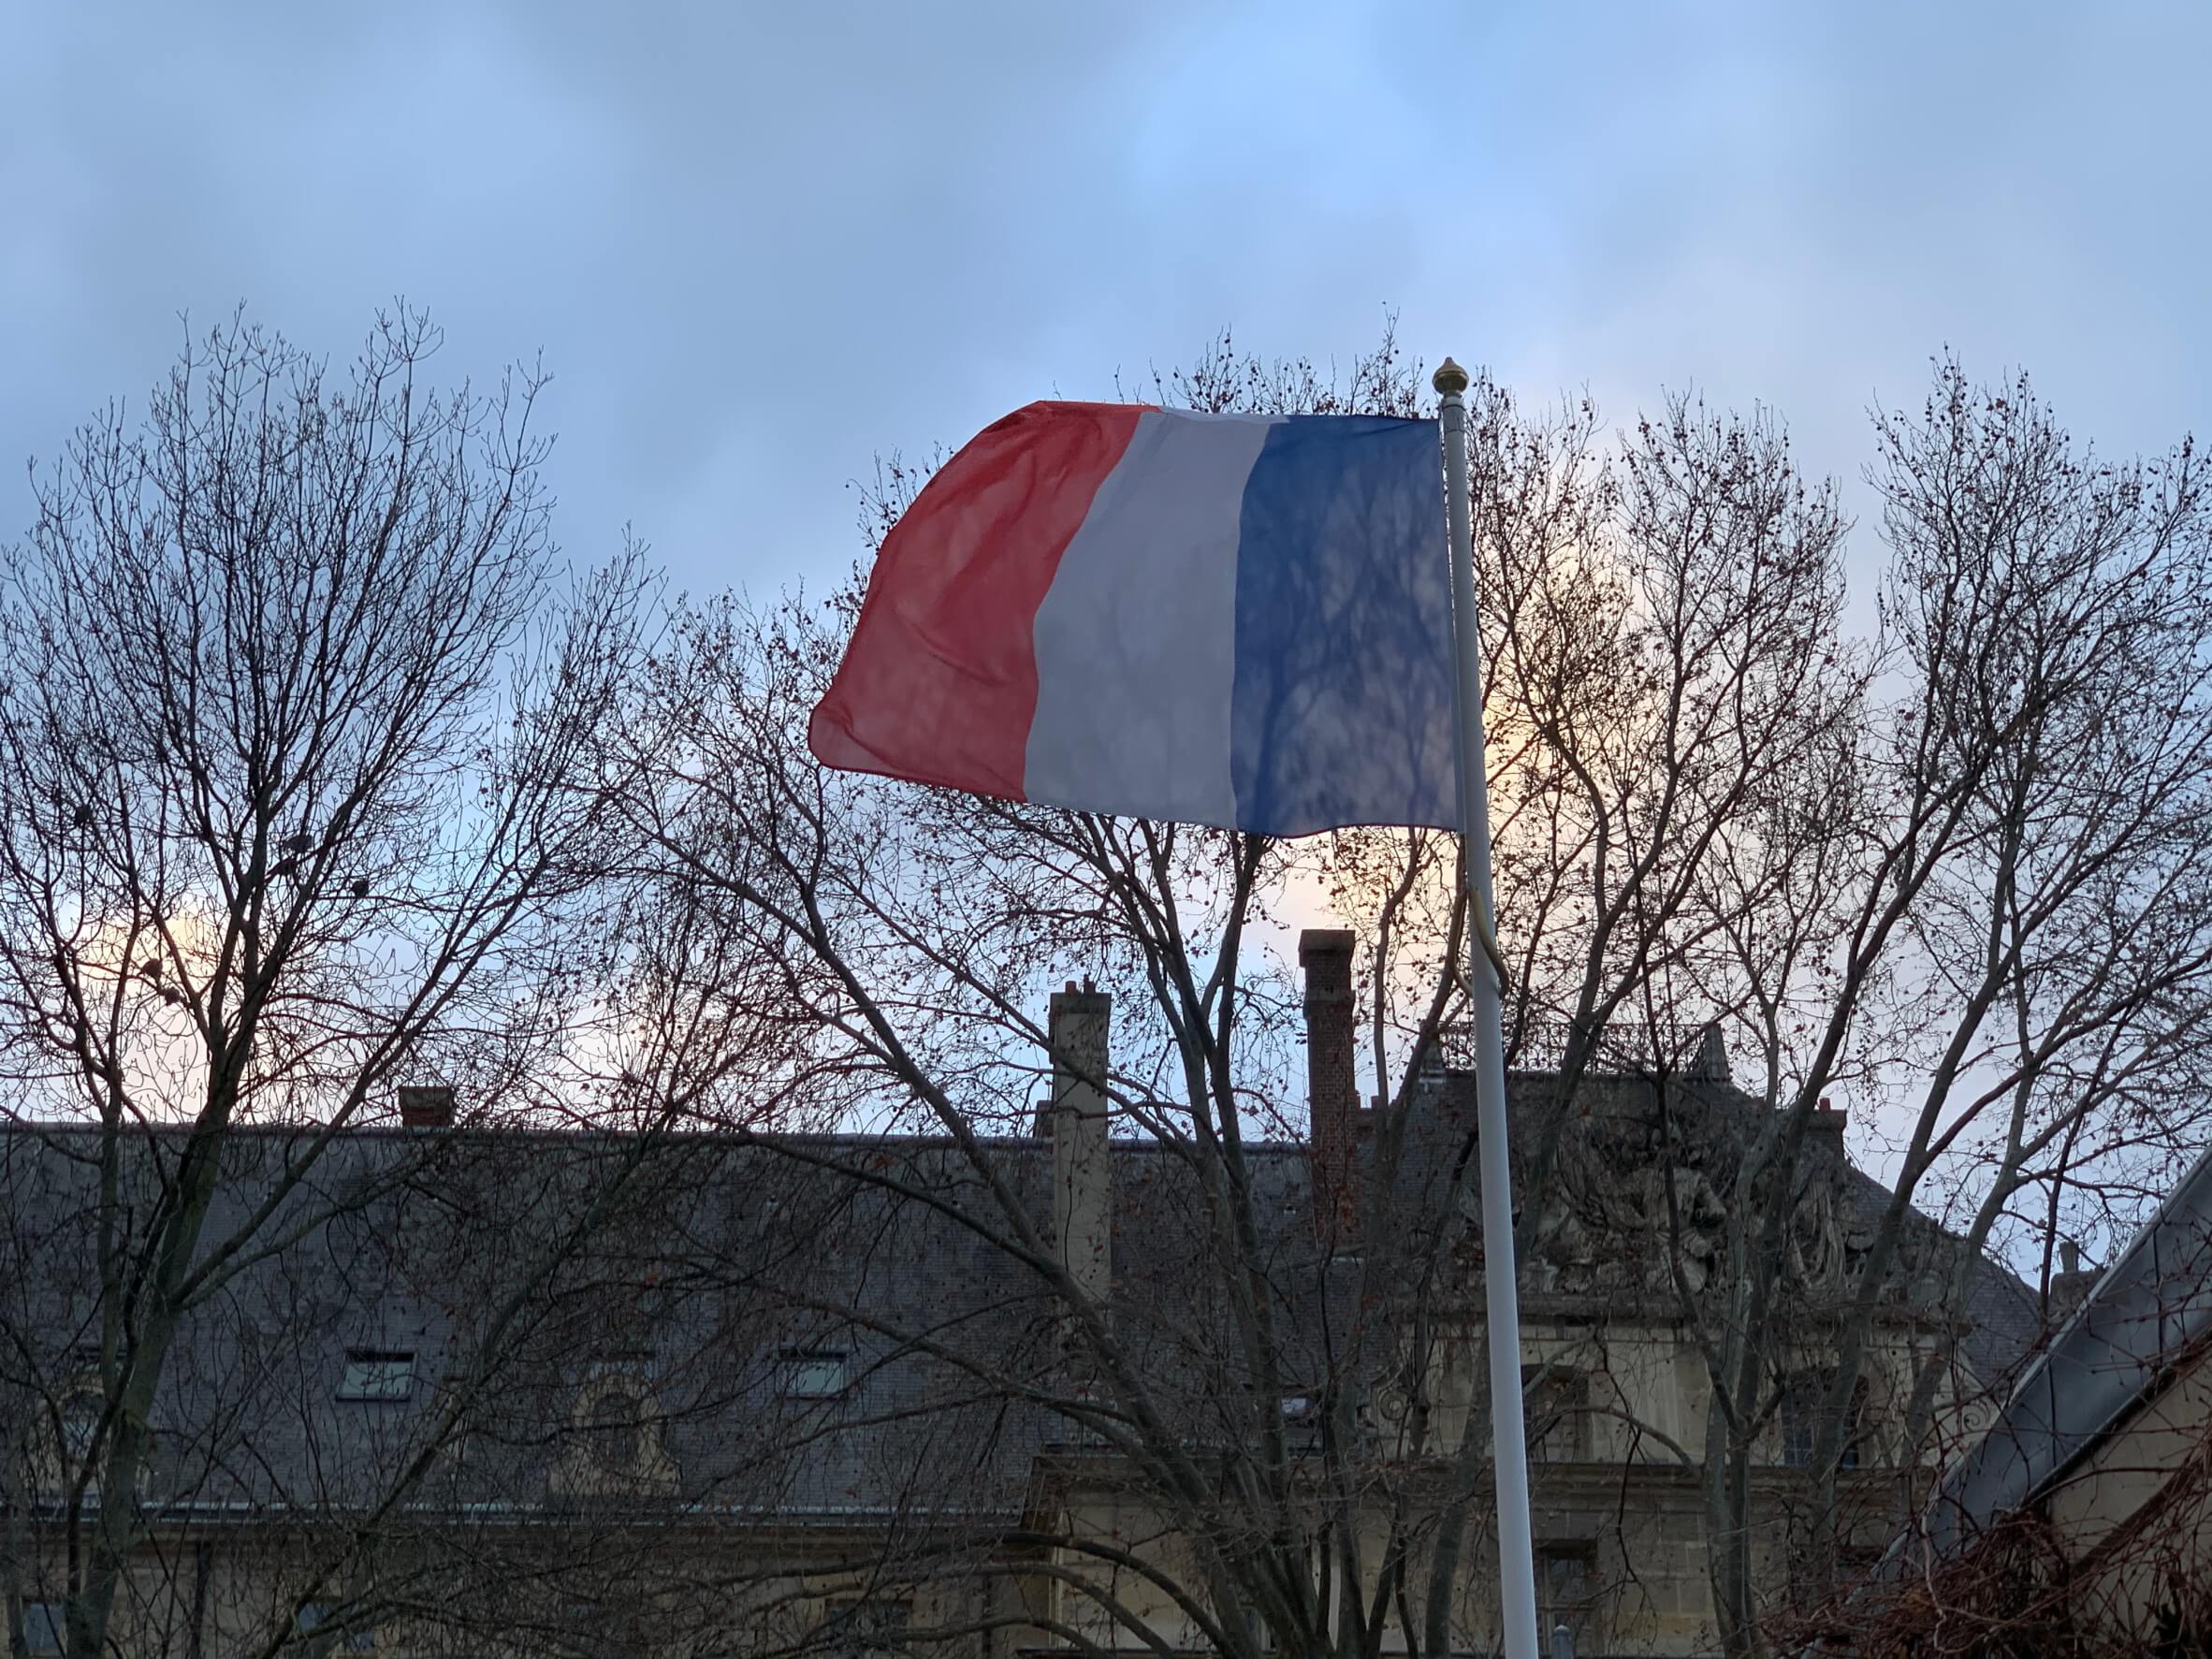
{"x": 760, "y": 244}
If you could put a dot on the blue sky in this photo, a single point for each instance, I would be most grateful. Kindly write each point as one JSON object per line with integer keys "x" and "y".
{"x": 758, "y": 244}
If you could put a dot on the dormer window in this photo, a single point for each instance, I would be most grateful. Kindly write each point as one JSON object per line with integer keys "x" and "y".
{"x": 69, "y": 1439}
{"x": 378, "y": 1374}
{"x": 812, "y": 1373}
{"x": 614, "y": 1428}
{"x": 81, "y": 1414}
{"x": 616, "y": 1433}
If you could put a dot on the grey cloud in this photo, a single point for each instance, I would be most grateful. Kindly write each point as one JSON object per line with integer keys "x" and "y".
{"x": 759, "y": 243}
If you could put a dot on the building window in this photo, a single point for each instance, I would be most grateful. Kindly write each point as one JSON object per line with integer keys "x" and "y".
{"x": 316, "y": 1620}
{"x": 1857, "y": 1436}
{"x": 812, "y": 1373}
{"x": 1800, "y": 1420}
{"x": 43, "y": 1623}
{"x": 1257, "y": 1637}
{"x": 1566, "y": 1589}
{"x": 865, "y": 1627}
{"x": 1555, "y": 1401}
{"x": 377, "y": 1375}
{"x": 1804, "y": 1404}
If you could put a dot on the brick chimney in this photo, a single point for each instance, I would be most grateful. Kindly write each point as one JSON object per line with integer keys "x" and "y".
{"x": 426, "y": 1106}
{"x": 1083, "y": 1170}
{"x": 1332, "y": 1097}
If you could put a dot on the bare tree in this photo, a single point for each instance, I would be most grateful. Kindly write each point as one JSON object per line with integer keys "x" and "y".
{"x": 2035, "y": 891}
{"x": 1968, "y": 854}
{"x": 289, "y": 823}
{"x": 297, "y": 805}
{"x": 1964, "y": 852}
{"x": 1661, "y": 632}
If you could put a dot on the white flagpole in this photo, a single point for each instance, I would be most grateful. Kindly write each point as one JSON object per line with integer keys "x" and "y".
{"x": 1516, "y": 1568}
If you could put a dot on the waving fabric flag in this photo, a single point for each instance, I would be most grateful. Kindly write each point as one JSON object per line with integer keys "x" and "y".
{"x": 1242, "y": 620}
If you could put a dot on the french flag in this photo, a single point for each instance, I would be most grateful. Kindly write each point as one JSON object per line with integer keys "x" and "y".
{"x": 1241, "y": 620}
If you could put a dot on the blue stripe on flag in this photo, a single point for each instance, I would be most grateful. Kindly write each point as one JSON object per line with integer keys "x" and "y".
{"x": 1341, "y": 704}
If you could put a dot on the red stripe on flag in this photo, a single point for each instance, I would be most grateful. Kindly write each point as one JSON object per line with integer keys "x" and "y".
{"x": 938, "y": 683}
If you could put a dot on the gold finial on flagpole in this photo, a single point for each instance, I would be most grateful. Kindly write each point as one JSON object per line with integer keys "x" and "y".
{"x": 1450, "y": 378}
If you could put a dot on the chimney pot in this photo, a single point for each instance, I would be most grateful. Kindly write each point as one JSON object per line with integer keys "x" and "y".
{"x": 2069, "y": 1256}
{"x": 1711, "y": 1063}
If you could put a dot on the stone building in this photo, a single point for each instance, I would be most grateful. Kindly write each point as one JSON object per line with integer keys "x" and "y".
{"x": 587, "y": 1392}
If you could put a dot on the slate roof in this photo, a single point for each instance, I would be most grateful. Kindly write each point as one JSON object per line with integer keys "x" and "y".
{"x": 734, "y": 1259}
{"x": 737, "y": 1256}
{"x": 730, "y": 1256}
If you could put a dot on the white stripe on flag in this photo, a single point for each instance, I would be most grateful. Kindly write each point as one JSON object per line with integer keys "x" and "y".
{"x": 1136, "y": 639}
